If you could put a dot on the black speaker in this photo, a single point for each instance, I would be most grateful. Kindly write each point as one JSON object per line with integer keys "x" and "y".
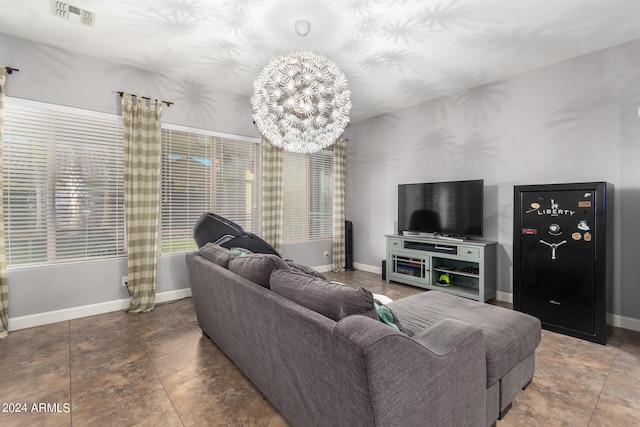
{"x": 348, "y": 245}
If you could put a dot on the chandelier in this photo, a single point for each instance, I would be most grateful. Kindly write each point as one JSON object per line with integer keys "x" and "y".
{"x": 301, "y": 102}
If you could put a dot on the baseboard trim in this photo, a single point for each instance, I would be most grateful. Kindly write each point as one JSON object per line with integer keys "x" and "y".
{"x": 323, "y": 268}
{"x": 33, "y": 320}
{"x": 504, "y": 297}
{"x": 624, "y": 322}
{"x": 368, "y": 268}
{"x": 363, "y": 267}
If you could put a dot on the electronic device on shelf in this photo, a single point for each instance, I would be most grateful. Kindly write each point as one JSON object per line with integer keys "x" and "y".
{"x": 453, "y": 239}
{"x": 449, "y": 210}
{"x": 472, "y": 269}
{"x": 431, "y": 247}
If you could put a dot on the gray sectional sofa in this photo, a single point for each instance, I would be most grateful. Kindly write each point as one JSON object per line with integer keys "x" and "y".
{"x": 321, "y": 355}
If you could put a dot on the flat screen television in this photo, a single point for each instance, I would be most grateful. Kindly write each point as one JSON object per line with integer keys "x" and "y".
{"x": 453, "y": 208}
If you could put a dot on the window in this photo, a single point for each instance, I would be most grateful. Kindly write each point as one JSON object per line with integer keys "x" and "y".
{"x": 308, "y": 196}
{"x": 63, "y": 185}
{"x": 205, "y": 172}
{"x": 63, "y": 196}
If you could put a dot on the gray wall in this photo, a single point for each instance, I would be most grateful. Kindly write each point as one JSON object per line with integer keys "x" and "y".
{"x": 575, "y": 121}
{"x": 60, "y": 77}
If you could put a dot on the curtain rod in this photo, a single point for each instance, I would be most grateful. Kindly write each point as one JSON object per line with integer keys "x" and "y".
{"x": 10, "y": 70}
{"x": 121, "y": 93}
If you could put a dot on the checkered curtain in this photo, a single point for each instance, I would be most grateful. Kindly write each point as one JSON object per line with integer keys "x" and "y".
{"x": 272, "y": 193}
{"x": 4, "y": 288}
{"x": 339, "y": 186}
{"x": 142, "y": 147}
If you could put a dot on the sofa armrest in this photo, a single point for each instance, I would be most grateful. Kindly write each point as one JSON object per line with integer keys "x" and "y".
{"x": 435, "y": 378}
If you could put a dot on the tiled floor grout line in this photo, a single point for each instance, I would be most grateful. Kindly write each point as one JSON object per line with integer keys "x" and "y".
{"x": 70, "y": 378}
{"x": 604, "y": 385}
{"x": 164, "y": 388}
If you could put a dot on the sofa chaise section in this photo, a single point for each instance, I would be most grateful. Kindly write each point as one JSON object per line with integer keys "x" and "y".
{"x": 511, "y": 338}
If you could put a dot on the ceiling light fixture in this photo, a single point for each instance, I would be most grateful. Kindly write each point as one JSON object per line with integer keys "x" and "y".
{"x": 302, "y": 27}
{"x": 301, "y": 102}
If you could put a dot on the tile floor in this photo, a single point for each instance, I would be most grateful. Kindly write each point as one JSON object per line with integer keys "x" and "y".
{"x": 157, "y": 369}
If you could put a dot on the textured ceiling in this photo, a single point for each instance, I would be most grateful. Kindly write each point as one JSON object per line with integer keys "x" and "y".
{"x": 395, "y": 53}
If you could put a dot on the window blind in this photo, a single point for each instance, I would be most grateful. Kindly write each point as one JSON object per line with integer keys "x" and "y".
{"x": 308, "y": 196}
{"x": 63, "y": 195}
{"x": 237, "y": 184}
{"x": 201, "y": 173}
{"x": 321, "y": 203}
{"x": 295, "y": 215}
{"x": 186, "y": 185}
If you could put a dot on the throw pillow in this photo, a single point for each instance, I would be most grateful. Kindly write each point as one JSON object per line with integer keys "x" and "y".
{"x": 257, "y": 267}
{"x": 386, "y": 316}
{"x": 217, "y": 254}
{"x": 241, "y": 251}
{"x": 333, "y": 300}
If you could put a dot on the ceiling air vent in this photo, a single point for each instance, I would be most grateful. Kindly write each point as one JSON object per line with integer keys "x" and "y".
{"x": 73, "y": 13}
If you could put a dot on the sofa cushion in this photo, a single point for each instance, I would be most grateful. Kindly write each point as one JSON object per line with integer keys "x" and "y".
{"x": 217, "y": 254}
{"x": 301, "y": 268}
{"x": 331, "y": 299}
{"x": 257, "y": 267}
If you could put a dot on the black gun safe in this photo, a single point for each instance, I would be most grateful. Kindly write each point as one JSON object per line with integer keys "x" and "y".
{"x": 563, "y": 256}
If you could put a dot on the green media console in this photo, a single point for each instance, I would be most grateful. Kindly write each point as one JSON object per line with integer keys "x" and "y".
{"x": 470, "y": 265}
